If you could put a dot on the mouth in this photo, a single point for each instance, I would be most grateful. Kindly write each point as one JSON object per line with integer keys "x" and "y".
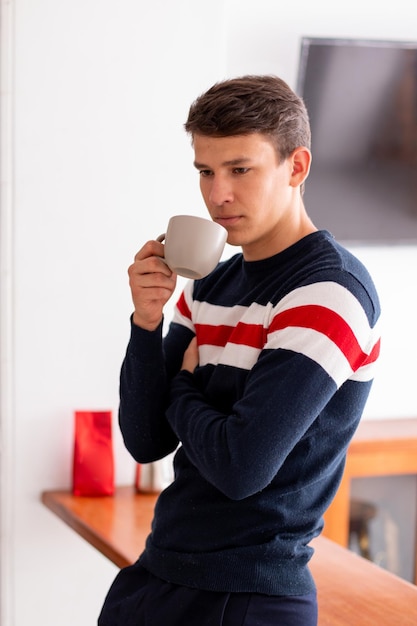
{"x": 230, "y": 220}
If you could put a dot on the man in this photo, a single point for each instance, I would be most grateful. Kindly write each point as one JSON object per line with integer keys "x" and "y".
{"x": 260, "y": 381}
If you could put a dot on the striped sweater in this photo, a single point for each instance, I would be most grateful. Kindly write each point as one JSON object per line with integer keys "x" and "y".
{"x": 287, "y": 348}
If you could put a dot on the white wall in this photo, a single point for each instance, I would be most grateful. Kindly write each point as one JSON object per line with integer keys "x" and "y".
{"x": 101, "y": 90}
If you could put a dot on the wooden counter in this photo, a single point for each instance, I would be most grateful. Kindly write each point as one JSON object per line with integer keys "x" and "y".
{"x": 351, "y": 590}
{"x": 379, "y": 448}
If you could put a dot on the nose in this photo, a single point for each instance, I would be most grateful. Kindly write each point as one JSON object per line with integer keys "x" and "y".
{"x": 221, "y": 191}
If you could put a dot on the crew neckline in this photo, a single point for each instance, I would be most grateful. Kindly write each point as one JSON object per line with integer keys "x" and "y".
{"x": 287, "y": 253}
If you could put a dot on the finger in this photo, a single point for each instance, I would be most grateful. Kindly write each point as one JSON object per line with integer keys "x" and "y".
{"x": 151, "y": 248}
{"x": 150, "y": 265}
{"x": 154, "y": 280}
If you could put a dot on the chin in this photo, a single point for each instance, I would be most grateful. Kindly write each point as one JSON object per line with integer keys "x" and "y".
{"x": 234, "y": 241}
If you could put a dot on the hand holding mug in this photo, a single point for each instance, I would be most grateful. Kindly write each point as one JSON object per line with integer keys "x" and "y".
{"x": 193, "y": 247}
{"x": 152, "y": 283}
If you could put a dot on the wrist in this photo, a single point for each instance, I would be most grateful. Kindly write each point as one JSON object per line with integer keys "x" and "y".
{"x": 145, "y": 324}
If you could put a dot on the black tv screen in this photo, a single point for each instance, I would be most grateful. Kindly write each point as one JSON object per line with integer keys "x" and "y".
{"x": 362, "y": 101}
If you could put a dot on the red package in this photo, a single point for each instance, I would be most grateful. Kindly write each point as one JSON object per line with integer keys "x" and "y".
{"x": 93, "y": 463}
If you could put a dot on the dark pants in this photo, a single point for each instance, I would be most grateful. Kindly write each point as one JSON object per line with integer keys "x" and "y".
{"x": 137, "y": 598}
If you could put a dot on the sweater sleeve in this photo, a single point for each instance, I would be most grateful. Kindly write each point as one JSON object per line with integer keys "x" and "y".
{"x": 241, "y": 452}
{"x": 149, "y": 364}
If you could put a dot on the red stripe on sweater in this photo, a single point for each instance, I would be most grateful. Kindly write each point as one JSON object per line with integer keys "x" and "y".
{"x": 317, "y": 318}
{"x": 374, "y": 354}
{"x": 252, "y": 335}
{"x": 327, "y": 322}
{"x": 183, "y": 307}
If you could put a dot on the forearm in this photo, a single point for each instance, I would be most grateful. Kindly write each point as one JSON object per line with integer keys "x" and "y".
{"x": 143, "y": 397}
{"x": 241, "y": 452}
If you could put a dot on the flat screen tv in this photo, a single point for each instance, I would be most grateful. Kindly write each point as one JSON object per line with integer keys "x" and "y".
{"x": 362, "y": 101}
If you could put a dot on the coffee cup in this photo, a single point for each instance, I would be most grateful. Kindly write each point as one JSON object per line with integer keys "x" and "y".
{"x": 193, "y": 245}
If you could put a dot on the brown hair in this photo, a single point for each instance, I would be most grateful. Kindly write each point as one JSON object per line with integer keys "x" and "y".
{"x": 252, "y": 104}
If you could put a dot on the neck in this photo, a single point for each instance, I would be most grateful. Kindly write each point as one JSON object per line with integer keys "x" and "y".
{"x": 283, "y": 236}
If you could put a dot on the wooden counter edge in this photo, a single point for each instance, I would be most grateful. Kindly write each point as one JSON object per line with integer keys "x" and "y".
{"x": 93, "y": 537}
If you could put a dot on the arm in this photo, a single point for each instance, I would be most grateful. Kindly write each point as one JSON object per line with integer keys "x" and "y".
{"x": 241, "y": 452}
{"x": 148, "y": 364}
{"x": 143, "y": 397}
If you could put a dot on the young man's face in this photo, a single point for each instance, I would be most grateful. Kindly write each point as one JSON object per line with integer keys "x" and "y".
{"x": 248, "y": 191}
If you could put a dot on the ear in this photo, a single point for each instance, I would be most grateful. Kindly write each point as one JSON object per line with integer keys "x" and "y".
{"x": 301, "y": 161}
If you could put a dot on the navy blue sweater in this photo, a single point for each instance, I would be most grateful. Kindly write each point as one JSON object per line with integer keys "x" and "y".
{"x": 287, "y": 347}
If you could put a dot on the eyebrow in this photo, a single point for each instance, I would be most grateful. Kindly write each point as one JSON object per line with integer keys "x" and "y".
{"x": 231, "y": 163}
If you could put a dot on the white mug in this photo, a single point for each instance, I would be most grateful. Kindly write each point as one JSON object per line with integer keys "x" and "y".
{"x": 193, "y": 245}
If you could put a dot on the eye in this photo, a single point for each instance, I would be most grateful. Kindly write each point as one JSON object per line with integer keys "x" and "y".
{"x": 205, "y": 173}
{"x": 240, "y": 170}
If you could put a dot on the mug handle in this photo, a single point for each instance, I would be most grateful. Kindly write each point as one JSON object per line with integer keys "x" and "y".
{"x": 161, "y": 238}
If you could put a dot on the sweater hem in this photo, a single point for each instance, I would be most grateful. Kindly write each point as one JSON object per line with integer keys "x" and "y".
{"x": 230, "y": 572}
